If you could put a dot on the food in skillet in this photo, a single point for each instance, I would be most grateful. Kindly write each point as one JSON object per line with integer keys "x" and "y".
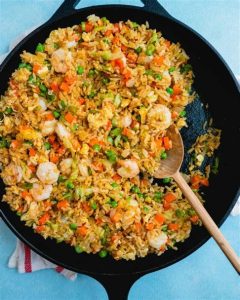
{"x": 83, "y": 128}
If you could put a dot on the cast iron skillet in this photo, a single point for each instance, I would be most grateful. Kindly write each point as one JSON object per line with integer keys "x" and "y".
{"x": 216, "y": 86}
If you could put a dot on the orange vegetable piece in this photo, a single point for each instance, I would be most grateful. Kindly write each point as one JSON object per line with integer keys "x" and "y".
{"x": 115, "y": 40}
{"x": 150, "y": 226}
{"x": 194, "y": 219}
{"x": 32, "y": 168}
{"x": 169, "y": 197}
{"x": 204, "y": 181}
{"x": 36, "y": 68}
{"x": 123, "y": 48}
{"x": 173, "y": 226}
{"x": 126, "y": 74}
{"x": 126, "y": 131}
{"x": 119, "y": 63}
{"x": 174, "y": 114}
{"x": 25, "y": 194}
{"x": 138, "y": 226}
{"x": 70, "y": 79}
{"x": 82, "y": 230}
{"x": 99, "y": 221}
{"x": 86, "y": 207}
{"x": 176, "y": 90}
{"x": 167, "y": 143}
{"x": 49, "y": 117}
{"x": 108, "y": 32}
{"x": 98, "y": 166}
{"x": 116, "y": 177}
{"x": 158, "y": 60}
{"x": 62, "y": 204}
{"x": 158, "y": 143}
{"x": 132, "y": 57}
{"x": 167, "y": 43}
{"x": 15, "y": 144}
{"x": 89, "y": 27}
{"x": 69, "y": 117}
{"x": 39, "y": 228}
{"x": 116, "y": 217}
{"x": 166, "y": 205}
{"x": 32, "y": 152}
{"x": 64, "y": 87}
{"x": 51, "y": 139}
{"x": 109, "y": 125}
{"x": 54, "y": 157}
{"x": 54, "y": 86}
{"x": 61, "y": 150}
{"x": 44, "y": 219}
{"x": 81, "y": 101}
{"x": 159, "y": 218}
{"x": 116, "y": 27}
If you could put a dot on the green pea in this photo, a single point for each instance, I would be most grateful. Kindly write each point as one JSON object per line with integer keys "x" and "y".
{"x": 75, "y": 127}
{"x": 164, "y": 155}
{"x": 171, "y": 69}
{"x": 80, "y": 70}
{"x": 8, "y": 111}
{"x": 169, "y": 90}
{"x": 111, "y": 155}
{"x": 183, "y": 113}
{"x": 114, "y": 185}
{"x": 103, "y": 253}
{"x": 61, "y": 179}
{"x": 73, "y": 226}
{"x": 79, "y": 249}
{"x": 115, "y": 132}
{"x": 150, "y": 50}
{"x": 138, "y": 50}
{"x": 145, "y": 209}
{"x": 191, "y": 212}
{"x": 91, "y": 95}
{"x": 105, "y": 80}
{"x": 135, "y": 189}
{"x": 26, "y": 66}
{"x": 167, "y": 180}
{"x": 96, "y": 147}
{"x": 164, "y": 228}
{"x": 92, "y": 72}
{"x": 94, "y": 205}
{"x": 180, "y": 213}
{"x": 56, "y": 114}
{"x": 40, "y": 48}
{"x": 47, "y": 146}
{"x": 113, "y": 203}
{"x": 158, "y": 76}
{"x": 69, "y": 185}
{"x": 157, "y": 196}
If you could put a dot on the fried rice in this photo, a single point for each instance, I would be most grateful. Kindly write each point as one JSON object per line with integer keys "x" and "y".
{"x": 84, "y": 127}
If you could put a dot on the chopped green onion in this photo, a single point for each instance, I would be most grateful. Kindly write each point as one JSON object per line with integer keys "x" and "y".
{"x": 80, "y": 70}
{"x": 164, "y": 228}
{"x": 61, "y": 179}
{"x": 79, "y": 249}
{"x": 158, "y": 76}
{"x": 114, "y": 185}
{"x": 56, "y": 114}
{"x": 8, "y": 111}
{"x": 111, "y": 155}
{"x": 180, "y": 213}
{"x": 96, "y": 147}
{"x": 113, "y": 203}
{"x": 158, "y": 196}
{"x": 134, "y": 24}
{"x": 26, "y": 66}
{"x": 145, "y": 209}
{"x": 149, "y": 72}
{"x": 28, "y": 185}
{"x": 47, "y": 146}
{"x": 4, "y": 143}
{"x": 114, "y": 122}
{"x": 19, "y": 213}
{"x": 83, "y": 26}
{"x": 30, "y": 143}
{"x": 73, "y": 226}
{"x": 186, "y": 68}
{"x": 69, "y": 185}
{"x": 106, "y": 41}
{"x": 92, "y": 72}
{"x": 63, "y": 105}
{"x": 40, "y": 48}
{"x": 106, "y": 55}
{"x": 75, "y": 127}
{"x": 103, "y": 253}
{"x": 191, "y": 212}
{"x": 153, "y": 38}
{"x": 94, "y": 205}
{"x": 110, "y": 139}
{"x": 150, "y": 50}
{"x": 183, "y": 113}
{"x": 43, "y": 88}
{"x": 167, "y": 180}
{"x": 135, "y": 189}
{"x": 164, "y": 155}
{"x": 171, "y": 69}
{"x": 91, "y": 95}
{"x": 115, "y": 132}
{"x": 169, "y": 90}
{"x": 138, "y": 50}
{"x": 215, "y": 166}
{"x": 105, "y": 80}
{"x": 117, "y": 140}
{"x": 31, "y": 79}
{"x": 67, "y": 195}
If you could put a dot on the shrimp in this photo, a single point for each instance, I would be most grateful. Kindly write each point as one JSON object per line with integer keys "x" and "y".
{"x": 156, "y": 238}
{"x": 129, "y": 168}
{"x": 159, "y": 117}
{"x": 12, "y": 174}
{"x": 65, "y": 166}
{"x": 62, "y": 131}
{"x": 83, "y": 167}
{"x": 42, "y": 104}
{"x": 48, "y": 127}
{"x": 41, "y": 192}
{"x": 126, "y": 121}
{"x": 47, "y": 172}
{"x": 60, "y": 59}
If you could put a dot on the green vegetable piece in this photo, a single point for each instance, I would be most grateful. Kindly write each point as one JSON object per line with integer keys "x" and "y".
{"x": 26, "y": 66}
{"x": 47, "y": 146}
{"x": 105, "y": 80}
{"x": 134, "y": 24}
{"x": 171, "y": 69}
{"x": 145, "y": 209}
{"x": 169, "y": 90}
{"x": 113, "y": 203}
{"x": 4, "y": 143}
{"x": 167, "y": 180}
{"x": 91, "y": 95}
{"x": 19, "y": 213}
{"x": 183, "y": 113}
{"x": 61, "y": 179}
{"x": 83, "y": 26}
{"x": 135, "y": 189}
{"x": 138, "y": 50}
{"x": 63, "y": 105}
{"x": 150, "y": 50}
{"x": 186, "y": 68}
{"x": 80, "y": 70}
{"x": 164, "y": 228}
{"x": 215, "y": 166}
{"x": 153, "y": 39}
{"x": 117, "y": 140}
{"x": 149, "y": 72}
{"x": 79, "y": 249}
{"x": 56, "y": 114}
{"x": 31, "y": 79}
{"x": 92, "y": 72}
{"x": 115, "y": 132}
{"x": 164, "y": 155}
{"x": 8, "y": 111}
{"x": 158, "y": 196}
{"x": 27, "y": 142}
{"x": 103, "y": 253}
{"x": 96, "y": 147}
{"x": 158, "y": 76}
{"x": 40, "y": 48}
{"x": 28, "y": 185}
{"x": 110, "y": 139}
{"x": 69, "y": 185}
{"x": 191, "y": 212}
{"x": 106, "y": 55}
{"x": 114, "y": 185}
{"x": 111, "y": 155}
{"x": 43, "y": 88}
{"x": 73, "y": 226}
{"x": 180, "y": 213}
{"x": 94, "y": 205}
{"x": 75, "y": 127}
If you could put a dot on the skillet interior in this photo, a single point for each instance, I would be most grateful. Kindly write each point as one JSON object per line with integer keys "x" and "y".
{"x": 215, "y": 85}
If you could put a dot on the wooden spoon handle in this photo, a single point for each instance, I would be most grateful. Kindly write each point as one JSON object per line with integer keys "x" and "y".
{"x": 208, "y": 221}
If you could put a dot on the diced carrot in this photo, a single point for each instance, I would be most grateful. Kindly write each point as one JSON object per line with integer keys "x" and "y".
{"x": 86, "y": 207}
{"x": 109, "y": 125}
{"x": 115, "y": 40}
{"x": 54, "y": 158}
{"x": 174, "y": 114}
{"x": 150, "y": 226}
{"x": 158, "y": 60}
{"x": 126, "y": 131}
{"x": 89, "y": 27}
{"x": 62, "y": 204}
{"x": 167, "y": 143}
{"x": 133, "y": 124}
{"x": 194, "y": 219}
{"x": 166, "y": 205}
{"x": 152, "y": 154}
{"x": 169, "y": 197}
{"x": 51, "y": 139}
{"x": 32, "y": 152}
{"x": 49, "y": 116}
{"x": 82, "y": 230}
{"x": 69, "y": 117}
{"x": 98, "y": 166}
{"x": 116, "y": 217}
{"x": 40, "y": 228}
{"x": 44, "y": 219}
{"x": 195, "y": 181}
{"x": 54, "y": 86}
{"x": 61, "y": 150}
{"x": 95, "y": 141}
{"x": 47, "y": 204}
{"x": 173, "y": 226}
{"x": 114, "y": 237}
{"x": 159, "y": 218}
{"x": 158, "y": 143}
{"x": 138, "y": 226}
{"x": 25, "y": 194}
{"x": 119, "y": 63}
{"x": 144, "y": 182}
{"x": 81, "y": 101}
{"x": 176, "y": 89}
{"x": 36, "y": 68}
{"x": 167, "y": 43}
{"x": 204, "y": 181}
{"x": 126, "y": 74}
{"x": 116, "y": 177}
{"x": 32, "y": 168}
{"x": 123, "y": 48}
{"x": 108, "y": 32}
{"x": 70, "y": 79}
{"x": 15, "y": 144}
{"x": 116, "y": 27}
{"x": 76, "y": 37}
{"x": 36, "y": 89}
{"x": 99, "y": 221}
{"x": 64, "y": 87}
{"x": 132, "y": 57}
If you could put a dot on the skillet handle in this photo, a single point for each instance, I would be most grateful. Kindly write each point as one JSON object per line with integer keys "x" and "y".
{"x": 67, "y": 7}
{"x": 154, "y": 6}
{"x": 117, "y": 286}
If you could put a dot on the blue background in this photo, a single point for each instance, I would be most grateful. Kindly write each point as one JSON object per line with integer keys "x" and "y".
{"x": 206, "y": 274}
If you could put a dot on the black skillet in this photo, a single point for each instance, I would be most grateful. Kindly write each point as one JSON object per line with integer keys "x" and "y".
{"x": 216, "y": 86}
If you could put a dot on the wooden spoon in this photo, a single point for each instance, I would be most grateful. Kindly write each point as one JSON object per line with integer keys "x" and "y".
{"x": 170, "y": 168}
